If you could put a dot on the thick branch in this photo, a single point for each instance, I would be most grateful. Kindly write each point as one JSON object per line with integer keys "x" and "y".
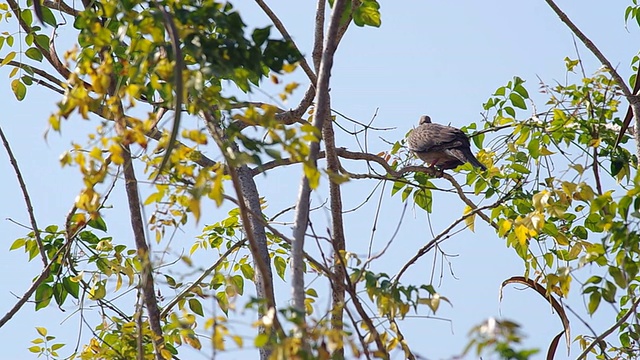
{"x": 322, "y": 113}
{"x": 137, "y": 225}
{"x": 252, "y": 227}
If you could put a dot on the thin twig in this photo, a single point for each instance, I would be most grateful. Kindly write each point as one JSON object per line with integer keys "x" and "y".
{"x": 444, "y": 232}
{"x": 633, "y": 99}
{"x": 27, "y": 198}
{"x": 200, "y": 279}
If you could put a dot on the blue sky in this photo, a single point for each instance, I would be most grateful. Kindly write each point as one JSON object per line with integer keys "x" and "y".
{"x": 440, "y": 58}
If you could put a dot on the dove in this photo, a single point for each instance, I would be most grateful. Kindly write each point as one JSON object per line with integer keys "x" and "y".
{"x": 445, "y": 147}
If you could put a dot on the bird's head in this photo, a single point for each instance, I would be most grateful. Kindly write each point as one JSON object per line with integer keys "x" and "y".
{"x": 424, "y": 119}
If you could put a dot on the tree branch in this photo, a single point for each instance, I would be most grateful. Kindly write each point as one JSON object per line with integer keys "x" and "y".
{"x": 608, "y": 332}
{"x": 285, "y": 34}
{"x": 27, "y": 198}
{"x": 322, "y": 113}
{"x": 167, "y": 308}
{"x": 436, "y": 240}
{"x": 634, "y": 100}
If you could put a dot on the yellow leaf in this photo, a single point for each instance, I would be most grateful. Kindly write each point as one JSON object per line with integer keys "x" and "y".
{"x": 116, "y": 154}
{"x": 238, "y": 340}
{"x": 10, "y": 56}
{"x": 312, "y": 174}
{"x": 194, "y": 206}
{"x": 537, "y": 221}
{"x": 541, "y": 200}
{"x": 289, "y": 88}
{"x": 289, "y": 67}
{"x": 96, "y": 153}
{"x": 522, "y": 234}
{"x": 469, "y": 221}
{"x": 504, "y": 227}
{"x": 42, "y": 331}
{"x": 545, "y": 152}
{"x": 562, "y": 239}
{"x": 54, "y": 121}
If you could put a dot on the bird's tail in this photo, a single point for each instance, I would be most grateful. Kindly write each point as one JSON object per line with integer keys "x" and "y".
{"x": 474, "y": 161}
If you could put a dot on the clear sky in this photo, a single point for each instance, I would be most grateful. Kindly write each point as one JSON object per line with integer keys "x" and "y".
{"x": 442, "y": 58}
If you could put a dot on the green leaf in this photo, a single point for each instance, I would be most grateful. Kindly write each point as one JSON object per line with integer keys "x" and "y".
{"x": 280, "y": 266}
{"x": 520, "y": 168}
{"x": 509, "y": 110}
{"x": 59, "y": 293}
{"x": 593, "y": 223}
{"x": 367, "y": 13}
{"x": 18, "y": 244}
{"x": 48, "y": 17}
{"x": 534, "y": 148}
{"x": 18, "y": 88}
{"x": 44, "y": 292}
{"x": 27, "y": 16}
{"x": 261, "y": 340}
{"x": 238, "y": 282}
{"x": 72, "y": 287}
{"x": 260, "y": 35}
{"x": 42, "y": 40}
{"x": 34, "y": 54}
{"x": 521, "y": 91}
{"x": 98, "y": 223}
{"x": 517, "y": 101}
{"x": 618, "y": 276}
{"x": 196, "y": 306}
{"x": 247, "y": 271}
{"x": 594, "y": 302}
{"x": 423, "y": 199}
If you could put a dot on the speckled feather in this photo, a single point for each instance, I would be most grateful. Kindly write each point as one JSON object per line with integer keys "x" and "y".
{"x": 443, "y": 146}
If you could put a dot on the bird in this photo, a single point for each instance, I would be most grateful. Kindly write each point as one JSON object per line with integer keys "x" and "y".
{"x": 443, "y": 146}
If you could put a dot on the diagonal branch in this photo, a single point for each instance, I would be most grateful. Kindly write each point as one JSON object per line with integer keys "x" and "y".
{"x": 280, "y": 26}
{"x": 441, "y": 236}
{"x": 27, "y": 198}
{"x": 610, "y": 330}
{"x": 634, "y": 99}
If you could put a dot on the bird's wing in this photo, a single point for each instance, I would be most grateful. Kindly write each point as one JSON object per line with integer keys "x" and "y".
{"x": 436, "y": 137}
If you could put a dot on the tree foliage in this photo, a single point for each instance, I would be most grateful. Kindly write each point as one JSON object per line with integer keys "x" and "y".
{"x": 557, "y": 189}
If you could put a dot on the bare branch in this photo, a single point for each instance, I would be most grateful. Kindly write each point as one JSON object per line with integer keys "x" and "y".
{"x": 467, "y": 201}
{"x": 285, "y": 34}
{"x": 137, "y": 226}
{"x": 61, "y": 6}
{"x": 258, "y": 249}
{"x": 27, "y": 198}
{"x": 39, "y": 72}
{"x": 200, "y": 278}
{"x": 634, "y": 99}
{"x": 441, "y": 236}
{"x": 322, "y": 113}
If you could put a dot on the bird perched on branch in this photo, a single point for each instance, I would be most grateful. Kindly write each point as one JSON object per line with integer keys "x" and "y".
{"x": 441, "y": 146}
